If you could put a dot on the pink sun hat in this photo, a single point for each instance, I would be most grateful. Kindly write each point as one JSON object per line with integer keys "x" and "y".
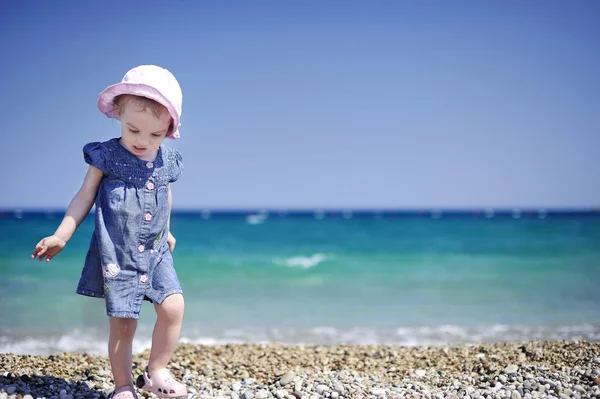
{"x": 149, "y": 81}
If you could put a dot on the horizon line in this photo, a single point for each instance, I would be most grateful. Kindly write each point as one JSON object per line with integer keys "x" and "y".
{"x": 258, "y": 209}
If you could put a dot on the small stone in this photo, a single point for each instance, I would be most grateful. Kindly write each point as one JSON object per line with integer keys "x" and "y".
{"x": 597, "y": 381}
{"x": 297, "y": 394}
{"x": 281, "y": 394}
{"x": 248, "y": 395}
{"x": 541, "y": 388}
{"x": 511, "y": 369}
{"x": 579, "y": 388}
{"x": 515, "y": 395}
{"x": 287, "y": 378}
{"x": 236, "y": 386}
{"x": 322, "y": 388}
{"x": 339, "y": 387}
{"x": 420, "y": 373}
{"x": 298, "y": 386}
{"x": 261, "y": 395}
{"x": 11, "y": 389}
{"x": 378, "y": 391}
{"x": 334, "y": 395}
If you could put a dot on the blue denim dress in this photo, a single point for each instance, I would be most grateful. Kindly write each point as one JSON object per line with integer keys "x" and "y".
{"x": 128, "y": 260}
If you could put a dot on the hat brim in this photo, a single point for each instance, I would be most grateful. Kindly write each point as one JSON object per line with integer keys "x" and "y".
{"x": 107, "y": 97}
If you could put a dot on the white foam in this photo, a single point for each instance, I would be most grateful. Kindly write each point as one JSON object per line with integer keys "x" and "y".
{"x": 305, "y": 262}
{"x": 94, "y": 341}
{"x": 325, "y": 331}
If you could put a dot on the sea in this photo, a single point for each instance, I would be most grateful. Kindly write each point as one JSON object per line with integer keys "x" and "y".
{"x": 326, "y": 276}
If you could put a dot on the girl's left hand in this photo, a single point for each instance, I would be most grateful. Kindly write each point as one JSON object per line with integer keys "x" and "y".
{"x": 171, "y": 241}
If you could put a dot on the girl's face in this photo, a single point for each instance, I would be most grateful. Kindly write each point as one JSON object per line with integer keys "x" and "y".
{"x": 142, "y": 133}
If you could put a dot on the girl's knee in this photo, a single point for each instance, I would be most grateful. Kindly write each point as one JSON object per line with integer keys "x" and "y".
{"x": 171, "y": 308}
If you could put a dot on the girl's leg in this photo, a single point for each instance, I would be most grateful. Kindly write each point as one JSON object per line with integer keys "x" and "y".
{"x": 166, "y": 332}
{"x": 120, "y": 341}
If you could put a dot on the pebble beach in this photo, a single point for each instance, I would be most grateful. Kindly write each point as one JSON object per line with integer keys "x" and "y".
{"x": 535, "y": 369}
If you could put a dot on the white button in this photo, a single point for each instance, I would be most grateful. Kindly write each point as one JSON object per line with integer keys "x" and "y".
{"x": 149, "y": 165}
{"x": 141, "y": 248}
{"x": 148, "y": 217}
{"x": 150, "y": 186}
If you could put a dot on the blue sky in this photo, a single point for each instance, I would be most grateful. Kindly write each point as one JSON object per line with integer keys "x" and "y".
{"x": 317, "y": 103}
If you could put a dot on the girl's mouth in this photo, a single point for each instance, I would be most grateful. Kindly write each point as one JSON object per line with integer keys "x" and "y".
{"x": 138, "y": 149}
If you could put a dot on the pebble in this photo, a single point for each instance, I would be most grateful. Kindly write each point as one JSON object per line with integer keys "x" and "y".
{"x": 551, "y": 370}
{"x": 321, "y": 388}
{"x": 579, "y": 389}
{"x": 287, "y": 378}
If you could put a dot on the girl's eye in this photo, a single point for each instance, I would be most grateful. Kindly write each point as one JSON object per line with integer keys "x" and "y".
{"x": 156, "y": 135}
{"x": 134, "y": 131}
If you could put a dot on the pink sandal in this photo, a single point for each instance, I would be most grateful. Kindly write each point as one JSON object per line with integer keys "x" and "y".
{"x": 126, "y": 392}
{"x": 162, "y": 384}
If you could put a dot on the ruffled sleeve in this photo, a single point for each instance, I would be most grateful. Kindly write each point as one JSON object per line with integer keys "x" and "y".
{"x": 95, "y": 155}
{"x": 176, "y": 165}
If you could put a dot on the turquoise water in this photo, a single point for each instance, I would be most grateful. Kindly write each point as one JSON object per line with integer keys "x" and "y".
{"x": 326, "y": 278}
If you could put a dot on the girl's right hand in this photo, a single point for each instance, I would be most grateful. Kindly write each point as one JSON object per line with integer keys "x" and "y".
{"x": 48, "y": 247}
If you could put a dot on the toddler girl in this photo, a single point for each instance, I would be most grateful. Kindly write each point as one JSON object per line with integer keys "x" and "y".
{"x": 129, "y": 258}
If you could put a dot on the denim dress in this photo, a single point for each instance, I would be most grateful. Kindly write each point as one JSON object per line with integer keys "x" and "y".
{"x": 128, "y": 260}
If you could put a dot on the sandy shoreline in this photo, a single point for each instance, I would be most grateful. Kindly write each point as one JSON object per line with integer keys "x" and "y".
{"x": 537, "y": 369}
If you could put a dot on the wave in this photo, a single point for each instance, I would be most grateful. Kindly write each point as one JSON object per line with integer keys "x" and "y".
{"x": 95, "y": 341}
{"x": 301, "y": 261}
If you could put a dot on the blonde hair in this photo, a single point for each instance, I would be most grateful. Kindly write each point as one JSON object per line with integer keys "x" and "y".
{"x": 142, "y": 104}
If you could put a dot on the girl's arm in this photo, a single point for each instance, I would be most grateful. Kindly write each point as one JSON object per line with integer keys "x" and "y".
{"x": 77, "y": 211}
